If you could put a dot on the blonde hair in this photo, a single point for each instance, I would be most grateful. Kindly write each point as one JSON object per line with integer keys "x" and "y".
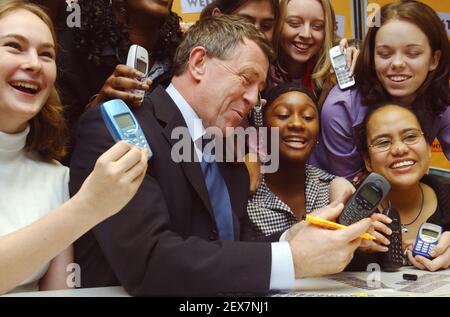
{"x": 321, "y": 70}
{"x": 48, "y": 128}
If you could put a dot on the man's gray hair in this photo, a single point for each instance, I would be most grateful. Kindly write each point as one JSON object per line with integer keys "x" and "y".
{"x": 220, "y": 36}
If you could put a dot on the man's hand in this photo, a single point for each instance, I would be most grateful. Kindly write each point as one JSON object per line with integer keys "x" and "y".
{"x": 318, "y": 251}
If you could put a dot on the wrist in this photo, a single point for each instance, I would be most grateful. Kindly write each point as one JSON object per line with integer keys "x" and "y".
{"x": 84, "y": 208}
{"x": 296, "y": 257}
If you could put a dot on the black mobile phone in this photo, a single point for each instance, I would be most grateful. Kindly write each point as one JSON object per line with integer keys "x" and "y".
{"x": 256, "y": 114}
{"x": 365, "y": 200}
{"x": 393, "y": 259}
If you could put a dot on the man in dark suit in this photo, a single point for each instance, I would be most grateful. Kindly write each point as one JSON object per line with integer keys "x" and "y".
{"x": 179, "y": 236}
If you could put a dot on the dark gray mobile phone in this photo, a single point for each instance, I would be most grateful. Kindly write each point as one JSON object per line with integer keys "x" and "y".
{"x": 365, "y": 200}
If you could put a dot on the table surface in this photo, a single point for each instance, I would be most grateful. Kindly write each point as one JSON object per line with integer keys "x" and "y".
{"x": 346, "y": 284}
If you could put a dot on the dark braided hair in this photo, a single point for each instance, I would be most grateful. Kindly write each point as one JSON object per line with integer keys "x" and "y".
{"x": 100, "y": 29}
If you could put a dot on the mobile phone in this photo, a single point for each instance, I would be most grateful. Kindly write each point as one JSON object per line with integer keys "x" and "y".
{"x": 138, "y": 59}
{"x": 427, "y": 236}
{"x": 256, "y": 115}
{"x": 365, "y": 200}
{"x": 339, "y": 63}
{"x": 393, "y": 259}
{"x": 122, "y": 124}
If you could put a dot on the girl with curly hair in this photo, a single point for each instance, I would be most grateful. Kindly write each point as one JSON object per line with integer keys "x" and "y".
{"x": 92, "y": 66}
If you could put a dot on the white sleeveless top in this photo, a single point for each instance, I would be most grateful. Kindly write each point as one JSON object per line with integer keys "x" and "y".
{"x": 29, "y": 189}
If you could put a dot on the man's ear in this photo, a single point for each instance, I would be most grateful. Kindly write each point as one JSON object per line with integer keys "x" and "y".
{"x": 216, "y": 12}
{"x": 197, "y": 62}
{"x": 435, "y": 60}
{"x": 367, "y": 163}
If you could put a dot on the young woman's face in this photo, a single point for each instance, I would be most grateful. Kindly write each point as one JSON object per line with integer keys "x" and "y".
{"x": 261, "y": 14}
{"x": 27, "y": 68}
{"x": 403, "y": 58}
{"x": 397, "y": 148}
{"x": 296, "y": 116}
{"x": 303, "y": 32}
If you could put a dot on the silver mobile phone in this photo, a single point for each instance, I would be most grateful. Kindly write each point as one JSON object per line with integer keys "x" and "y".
{"x": 339, "y": 63}
{"x": 139, "y": 60}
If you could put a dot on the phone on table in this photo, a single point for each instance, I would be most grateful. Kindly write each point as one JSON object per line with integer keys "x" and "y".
{"x": 138, "y": 59}
{"x": 339, "y": 63}
{"x": 393, "y": 259}
{"x": 122, "y": 124}
{"x": 365, "y": 200}
{"x": 428, "y": 236}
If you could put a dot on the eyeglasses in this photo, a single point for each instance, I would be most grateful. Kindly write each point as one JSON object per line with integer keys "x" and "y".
{"x": 384, "y": 144}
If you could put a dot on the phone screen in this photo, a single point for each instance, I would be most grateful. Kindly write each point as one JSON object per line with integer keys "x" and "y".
{"x": 430, "y": 233}
{"x": 369, "y": 194}
{"x": 340, "y": 60}
{"x": 124, "y": 120}
{"x": 141, "y": 66}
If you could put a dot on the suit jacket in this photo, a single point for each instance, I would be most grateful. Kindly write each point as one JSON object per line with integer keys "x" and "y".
{"x": 165, "y": 241}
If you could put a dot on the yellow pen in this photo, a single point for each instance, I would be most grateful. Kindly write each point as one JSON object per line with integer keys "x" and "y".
{"x": 333, "y": 225}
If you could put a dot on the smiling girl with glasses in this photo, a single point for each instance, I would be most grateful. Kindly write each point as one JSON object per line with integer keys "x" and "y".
{"x": 393, "y": 145}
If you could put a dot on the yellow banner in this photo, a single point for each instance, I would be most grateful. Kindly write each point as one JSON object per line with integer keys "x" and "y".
{"x": 189, "y": 10}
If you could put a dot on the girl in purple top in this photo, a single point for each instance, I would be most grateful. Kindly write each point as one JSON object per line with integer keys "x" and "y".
{"x": 407, "y": 60}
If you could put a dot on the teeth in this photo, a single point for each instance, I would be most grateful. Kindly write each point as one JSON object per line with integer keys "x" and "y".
{"x": 295, "y": 140}
{"x": 303, "y": 46}
{"x": 402, "y": 164}
{"x": 398, "y": 78}
{"x": 25, "y": 85}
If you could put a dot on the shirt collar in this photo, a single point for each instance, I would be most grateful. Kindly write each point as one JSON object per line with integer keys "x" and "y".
{"x": 193, "y": 122}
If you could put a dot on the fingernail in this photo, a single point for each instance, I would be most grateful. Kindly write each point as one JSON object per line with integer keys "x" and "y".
{"x": 389, "y": 231}
{"x": 432, "y": 252}
{"x": 385, "y": 249}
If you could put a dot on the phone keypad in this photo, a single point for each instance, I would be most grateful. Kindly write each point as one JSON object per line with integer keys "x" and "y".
{"x": 355, "y": 211}
{"x": 342, "y": 75}
{"x": 423, "y": 246}
{"x": 395, "y": 248}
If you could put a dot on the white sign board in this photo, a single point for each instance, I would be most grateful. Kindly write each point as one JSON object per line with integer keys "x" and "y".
{"x": 194, "y": 6}
{"x": 445, "y": 18}
{"x": 340, "y": 21}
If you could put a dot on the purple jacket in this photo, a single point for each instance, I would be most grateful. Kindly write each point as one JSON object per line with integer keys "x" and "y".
{"x": 341, "y": 113}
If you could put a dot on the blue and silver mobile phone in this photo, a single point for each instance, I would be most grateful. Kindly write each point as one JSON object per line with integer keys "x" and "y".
{"x": 427, "y": 237}
{"x": 123, "y": 125}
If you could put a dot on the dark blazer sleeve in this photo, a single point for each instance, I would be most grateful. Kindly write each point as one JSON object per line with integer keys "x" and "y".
{"x": 146, "y": 255}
